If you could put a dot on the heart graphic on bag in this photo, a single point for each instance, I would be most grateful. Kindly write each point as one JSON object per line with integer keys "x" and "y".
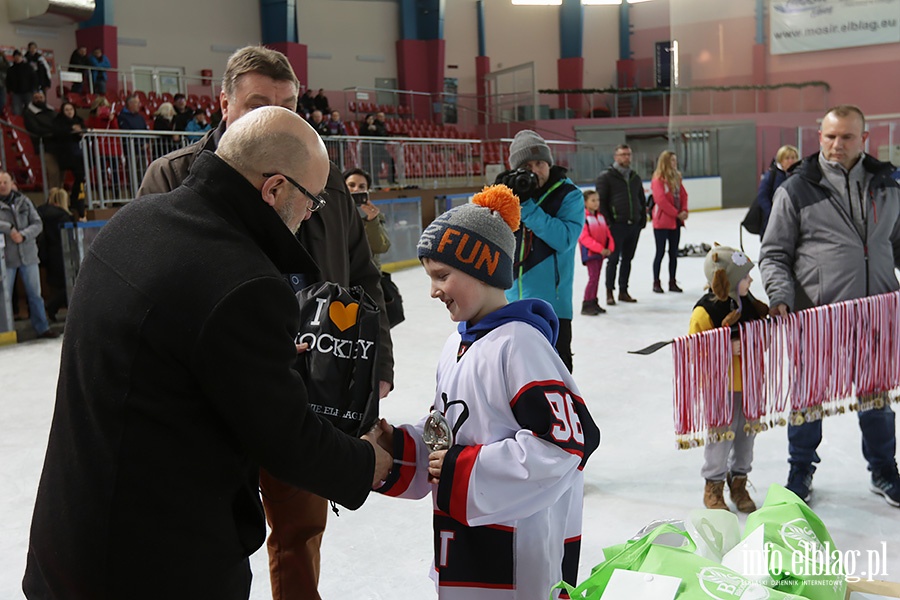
{"x": 343, "y": 315}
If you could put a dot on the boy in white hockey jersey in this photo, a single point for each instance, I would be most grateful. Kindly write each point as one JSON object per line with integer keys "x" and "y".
{"x": 508, "y": 493}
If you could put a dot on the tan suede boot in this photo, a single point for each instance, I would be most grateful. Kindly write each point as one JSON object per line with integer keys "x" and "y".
{"x": 737, "y": 485}
{"x": 713, "y": 495}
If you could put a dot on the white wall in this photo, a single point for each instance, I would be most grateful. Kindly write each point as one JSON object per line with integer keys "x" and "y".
{"x": 345, "y": 30}
{"x": 182, "y": 33}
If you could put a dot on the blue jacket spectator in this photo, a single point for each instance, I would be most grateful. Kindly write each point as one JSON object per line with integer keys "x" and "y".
{"x": 199, "y": 123}
{"x": 772, "y": 180}
{"x": 552, "y": 219}
{"x": 130, "y": 117}
{"x": 98, "y": 59}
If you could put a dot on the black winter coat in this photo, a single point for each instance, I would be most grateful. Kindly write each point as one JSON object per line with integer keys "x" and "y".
{"x": 622, "y": 202}
{"x": 176, "y": 382}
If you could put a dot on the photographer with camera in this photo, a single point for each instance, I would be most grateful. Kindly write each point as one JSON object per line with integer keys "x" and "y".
{"x": 624, "y": 206}
{"x": 552, "y": 219}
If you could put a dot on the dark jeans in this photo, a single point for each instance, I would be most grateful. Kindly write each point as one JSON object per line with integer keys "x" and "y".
{"x": 879, "y": 439}
{"x": 662, "y": 236}
{"x": 626, "y": 238}
{"x": 564, "y": 342}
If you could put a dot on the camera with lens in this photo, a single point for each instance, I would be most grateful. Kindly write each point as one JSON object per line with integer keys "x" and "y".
{"x": 522, "y": 182}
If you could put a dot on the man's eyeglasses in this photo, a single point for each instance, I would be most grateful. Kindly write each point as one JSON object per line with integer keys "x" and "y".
{"x": 317, "y": 202}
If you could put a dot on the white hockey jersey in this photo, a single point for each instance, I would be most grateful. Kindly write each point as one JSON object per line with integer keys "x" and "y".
{"x": 507, "y": 512}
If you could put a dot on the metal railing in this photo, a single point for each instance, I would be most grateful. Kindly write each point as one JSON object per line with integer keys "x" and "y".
{"x": 115, "y": 161}
{"x": 126, "y": 80}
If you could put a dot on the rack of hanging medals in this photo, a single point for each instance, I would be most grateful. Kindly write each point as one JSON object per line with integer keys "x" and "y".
{"x": 802, "y": 367}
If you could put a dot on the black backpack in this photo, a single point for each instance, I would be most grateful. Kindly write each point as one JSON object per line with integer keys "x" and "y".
{"x": 753, "y": 220}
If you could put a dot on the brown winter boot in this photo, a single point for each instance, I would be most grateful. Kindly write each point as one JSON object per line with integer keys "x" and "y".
{"x": 610, "y": 299}
{"x": 713, "y": 495}
{"x": 657, "y": 286}
{"x": 737, "y": 484}
{"x": 673, "y": 286}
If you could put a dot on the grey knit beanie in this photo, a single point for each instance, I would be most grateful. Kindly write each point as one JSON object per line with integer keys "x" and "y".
{"x": 527, "y": 145}
{"x": 477, "y": 238}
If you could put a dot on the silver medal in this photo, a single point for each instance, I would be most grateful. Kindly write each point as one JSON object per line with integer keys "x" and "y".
{"x": 438, "y": 434}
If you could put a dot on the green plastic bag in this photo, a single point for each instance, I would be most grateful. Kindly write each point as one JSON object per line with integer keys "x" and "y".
{"x": 701, "y": 578}
{"x": 800, "y": 555}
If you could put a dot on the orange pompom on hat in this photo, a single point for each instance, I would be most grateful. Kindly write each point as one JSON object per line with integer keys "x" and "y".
{"x": 477, "y": 238}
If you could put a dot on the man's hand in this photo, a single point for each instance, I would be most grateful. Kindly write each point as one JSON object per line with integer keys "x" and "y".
{"x": 683, "y": 215}
{"x": 605, "y": 252}
{"x": 16, "y": 237}
{"x": 435, "y": 465}
{"x": 779, "y": 310}
{"x": 384, "y": 388}
{"x": 386, "y": 438}
{"x": 383, "y": 460}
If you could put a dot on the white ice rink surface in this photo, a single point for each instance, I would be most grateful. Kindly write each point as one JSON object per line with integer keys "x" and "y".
{"x": 637, "y": 475}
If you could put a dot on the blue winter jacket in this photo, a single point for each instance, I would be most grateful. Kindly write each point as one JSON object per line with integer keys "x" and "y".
{"x": 544, "y": 263}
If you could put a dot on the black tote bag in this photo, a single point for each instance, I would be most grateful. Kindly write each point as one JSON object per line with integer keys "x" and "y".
{"x": 341, "y": 327}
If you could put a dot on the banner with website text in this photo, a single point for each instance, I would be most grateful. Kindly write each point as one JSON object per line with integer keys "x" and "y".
{"x": 809, "y": 25}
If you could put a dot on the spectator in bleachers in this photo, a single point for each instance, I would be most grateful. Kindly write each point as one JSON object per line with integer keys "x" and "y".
{"x": 381, "y": 121}
{"x": 318, "y": 122}
{"x": 39, "y": 65}
{"x": 164, "y": 117}
{"x": 306, "y": 104}
{"x": 215, "y": 118}
{"x": 4, "y": 68}
{"x": 183, "y": 113}
{"x": 68, "y": 128}
{"x": 54, "y": 214}
{"x": 335, "y": 125}
{"x": 164, "y": 120}
{"x": 39, "y": 118}
{"x": 78, "y": 63}
{"x": 21, "y": 82}
{"x": 381, "y": 153}
{"x": 99, "y": 60}
{"x": 131, "y": 117}
{"x": 320, "y": 102}
{"x": 369, "y": 127}
{"x": 102, "y": 117}
{"x": 200, "y": 123}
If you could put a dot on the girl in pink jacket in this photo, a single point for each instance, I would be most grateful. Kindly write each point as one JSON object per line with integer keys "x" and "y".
{"x": 596, "y": 244}
{"x": 670, "y": 211}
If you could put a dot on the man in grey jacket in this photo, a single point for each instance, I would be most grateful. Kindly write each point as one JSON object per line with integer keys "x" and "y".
{"x": 834, "y": 235}
{"x": 20, "y": 224}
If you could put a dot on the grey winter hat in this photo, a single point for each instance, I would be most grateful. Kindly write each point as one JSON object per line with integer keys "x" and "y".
{"x": 476, "y": 238}
{"x": 527, "y": 145}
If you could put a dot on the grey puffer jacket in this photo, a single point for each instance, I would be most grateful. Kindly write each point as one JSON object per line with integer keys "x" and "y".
{"x": 813, "y": 254}
{"x": 22, "y": 216}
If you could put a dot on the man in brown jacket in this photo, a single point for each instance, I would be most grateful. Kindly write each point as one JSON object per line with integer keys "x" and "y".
{"x": 256, "y": 76}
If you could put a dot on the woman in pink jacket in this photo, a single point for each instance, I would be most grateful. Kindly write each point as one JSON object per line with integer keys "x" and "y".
{"x": 670, "y": 211}
{"x": 596, "y": 244}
